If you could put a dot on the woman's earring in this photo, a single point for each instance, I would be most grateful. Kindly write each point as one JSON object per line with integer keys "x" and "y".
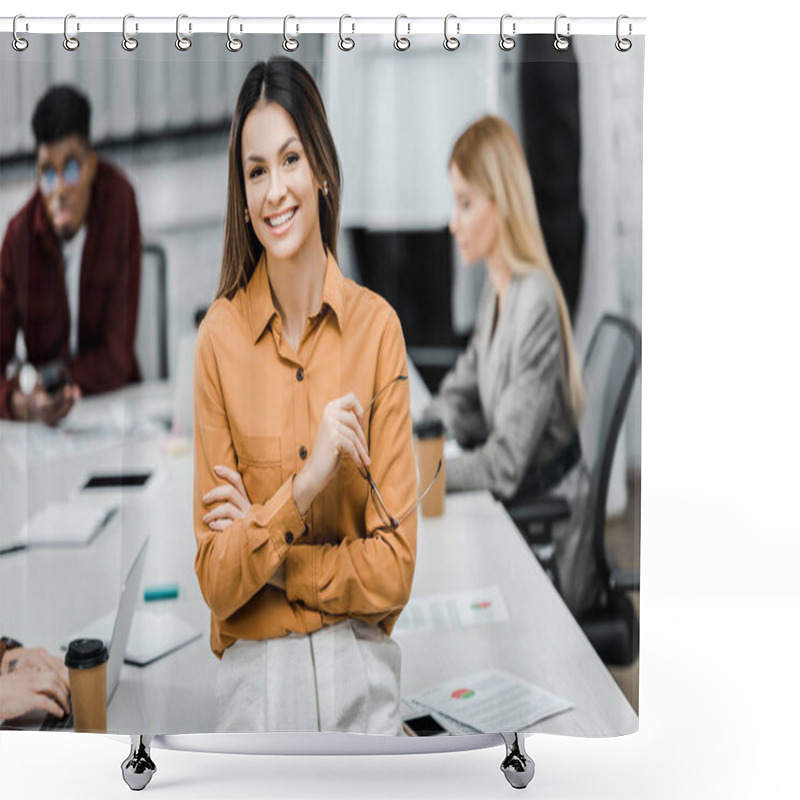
{"x": 325, "y": 188}
{"x": 247, "y": 216}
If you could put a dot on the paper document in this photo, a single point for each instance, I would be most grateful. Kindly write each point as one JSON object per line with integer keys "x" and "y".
{"x": 65, "y": 524}
{"x": 490, "y": 701}
{"x": 438, "y": 612}
{"x": 152, "y": 635}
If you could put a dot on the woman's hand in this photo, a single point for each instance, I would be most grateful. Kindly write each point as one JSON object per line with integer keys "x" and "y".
{"x": 236, "y": 506}
{"x": 340, "y": 435}
{"x": 233, "y": 499}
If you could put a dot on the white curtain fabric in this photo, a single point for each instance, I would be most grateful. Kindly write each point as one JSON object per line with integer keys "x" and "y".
{"x": 394, "y": 143}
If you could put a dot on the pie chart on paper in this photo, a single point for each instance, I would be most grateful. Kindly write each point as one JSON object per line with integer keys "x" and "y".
{"x": 462, "y": 694}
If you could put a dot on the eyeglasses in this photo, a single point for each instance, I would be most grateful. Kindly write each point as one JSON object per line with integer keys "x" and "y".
{"x": 388, "y": 522}
{"x": 70, "y": 175}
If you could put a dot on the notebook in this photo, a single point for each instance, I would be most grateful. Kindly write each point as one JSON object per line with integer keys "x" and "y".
{"x": 66, "y": 524}
{"x": 152, "y": 636}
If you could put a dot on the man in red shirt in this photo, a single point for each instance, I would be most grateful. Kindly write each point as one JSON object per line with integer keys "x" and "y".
{"x": 70, "y": 267}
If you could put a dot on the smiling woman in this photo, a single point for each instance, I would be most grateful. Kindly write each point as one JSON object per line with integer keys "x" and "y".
{"x": 281, "y": 189}
{"x": 280, "y": 107}
{"x": 304, "y": 576}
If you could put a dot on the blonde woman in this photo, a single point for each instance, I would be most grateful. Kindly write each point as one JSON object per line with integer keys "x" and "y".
{"x": 514, "y": 398}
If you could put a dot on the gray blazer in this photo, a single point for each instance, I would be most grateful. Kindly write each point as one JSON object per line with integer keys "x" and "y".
{"x": 506, "y": 402}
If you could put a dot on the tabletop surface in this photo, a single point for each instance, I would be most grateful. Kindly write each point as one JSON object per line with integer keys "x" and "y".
{"x": 45, "y": 594}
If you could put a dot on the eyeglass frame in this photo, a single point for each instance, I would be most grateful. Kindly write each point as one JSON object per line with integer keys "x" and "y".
{"x": 389, "y": 522}
{"x": 48, "y": 185}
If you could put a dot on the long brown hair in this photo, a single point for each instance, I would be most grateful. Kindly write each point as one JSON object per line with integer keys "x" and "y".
{"x": 489, "y": 156}
{"x": 287, "y": 83}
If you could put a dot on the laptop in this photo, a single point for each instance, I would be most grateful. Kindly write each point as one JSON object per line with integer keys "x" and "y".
{"x": 123, "y": 622}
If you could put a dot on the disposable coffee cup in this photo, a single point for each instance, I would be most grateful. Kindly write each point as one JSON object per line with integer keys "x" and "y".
{"x": 86, "y": 661}
{"x": 429, "y": 435}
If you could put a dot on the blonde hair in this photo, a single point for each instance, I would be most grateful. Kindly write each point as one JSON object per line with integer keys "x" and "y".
{"x": 489, "y": 156}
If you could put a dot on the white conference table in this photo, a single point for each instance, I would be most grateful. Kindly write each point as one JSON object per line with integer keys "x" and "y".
{"x": 46, "y": 594}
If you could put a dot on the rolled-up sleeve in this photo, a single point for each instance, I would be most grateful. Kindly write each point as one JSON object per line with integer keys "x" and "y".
{"x": 370, "y": 576}
{"x": 234, "y": 564}
{"x": 521, "y": 414}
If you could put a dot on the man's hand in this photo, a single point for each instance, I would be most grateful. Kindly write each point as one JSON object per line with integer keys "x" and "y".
{"x": 33, "y": 658}
{"x": 41, "y": 406}
{"x": 31, "y": 678}
{"x": 30, "y": 690}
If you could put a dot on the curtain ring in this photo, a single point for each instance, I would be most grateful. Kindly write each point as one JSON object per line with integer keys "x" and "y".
{"x": 289, "y": 44}
{"x": 182, "y": 42}
{"x": 623, "y": 45}
{"x": 451, "y": 42}
{"x": 70, "y": 42}
{"x": 129, "y": 43}
{"x": 233, "y": 44}
{"x": 401, "y": 42}
{"x": 506, "y": 42}
{"x": 561, "y": 42}
{"x": 18, "y": 43}
{"x": 345, "y": 42}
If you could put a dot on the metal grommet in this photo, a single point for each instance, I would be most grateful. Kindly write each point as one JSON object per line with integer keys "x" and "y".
{"x": 70, "y": 42}
{"x": 451, "y": 42}
{"x": 18, "y": 43}
{"x": 506, "y": 42}
{"x": 345, "y": 42}
{"x": 401, "y": 42}
{"x": 289, "y": 44}
{"x": 233, "y": 44}
{"x": 182, "y": 42}
{"x": 623, "y": 45}
{"x": 128, "y": 42}
{"x": 561, "y": 42}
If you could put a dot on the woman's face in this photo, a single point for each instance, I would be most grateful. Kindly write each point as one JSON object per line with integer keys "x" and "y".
{"x": 280, "y": 187}
{"x": 474, "y": 222}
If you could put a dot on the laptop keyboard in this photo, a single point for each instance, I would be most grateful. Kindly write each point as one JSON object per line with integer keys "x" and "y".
{"x": 53, "y": 723}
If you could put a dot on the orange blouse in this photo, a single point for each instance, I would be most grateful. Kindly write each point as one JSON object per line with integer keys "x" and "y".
{"x": 258, "y": 406}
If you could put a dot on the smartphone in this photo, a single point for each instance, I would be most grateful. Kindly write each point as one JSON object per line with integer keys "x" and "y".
{"x": 54, "y": 376}
{"x": 423, "y": 726}
{"x": 131, "y": 480}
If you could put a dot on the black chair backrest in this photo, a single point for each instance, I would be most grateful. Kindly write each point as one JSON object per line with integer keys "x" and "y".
{"x": 609, "y": 371}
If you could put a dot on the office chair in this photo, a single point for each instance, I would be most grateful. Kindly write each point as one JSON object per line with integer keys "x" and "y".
{"x": 151, "y": 326}
{"x": 610, "y": 370}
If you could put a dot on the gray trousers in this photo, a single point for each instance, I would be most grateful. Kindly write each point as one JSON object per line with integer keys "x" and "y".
{"x": 344, "y": 677}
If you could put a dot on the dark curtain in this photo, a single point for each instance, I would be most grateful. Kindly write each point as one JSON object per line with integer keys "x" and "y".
{"x": 413, "y": 271}
{"x": 552, "y": 143}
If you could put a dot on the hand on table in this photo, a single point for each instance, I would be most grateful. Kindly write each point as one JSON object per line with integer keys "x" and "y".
{"x": 41, "y": 406}
{"x": 32, "y": 679}
{"x": 33, "y": 658}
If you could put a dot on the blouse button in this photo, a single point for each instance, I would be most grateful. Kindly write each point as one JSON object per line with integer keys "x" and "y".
{"x": 303, "y": 452}
{"x": 300, "y": 373}
{"x": 289, "y": 537}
